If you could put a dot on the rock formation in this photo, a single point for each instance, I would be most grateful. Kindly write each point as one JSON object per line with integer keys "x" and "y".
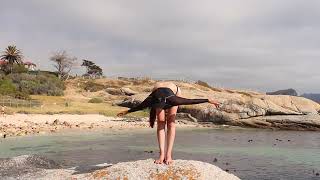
{"x": 245, "y": 108}
{"x": 37, "y": 167}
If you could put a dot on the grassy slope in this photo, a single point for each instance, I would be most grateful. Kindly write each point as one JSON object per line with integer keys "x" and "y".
{"x": 57, "y": 104}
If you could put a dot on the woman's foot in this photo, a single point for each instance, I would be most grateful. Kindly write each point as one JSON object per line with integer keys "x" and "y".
{"x": 168, "y": 161}
{"x": 160, "y": 160}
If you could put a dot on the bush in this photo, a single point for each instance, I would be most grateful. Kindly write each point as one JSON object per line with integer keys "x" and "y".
{"x": 7, "y": 87}
{"x": 202, "y": 83}
{"x": 41, "y": 83}
{"x": 96, "y": 100}
{"x": 22, "y": 95}
{"x": 93, "y": 87}
{"x": 19, "y": 68}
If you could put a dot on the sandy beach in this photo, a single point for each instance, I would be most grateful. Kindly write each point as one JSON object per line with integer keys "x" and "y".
{"x": 28, "y": 124}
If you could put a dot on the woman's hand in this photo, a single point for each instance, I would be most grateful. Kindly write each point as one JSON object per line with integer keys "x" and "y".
{"x": 122, "y": 113}
{"x": 214, "y": 102}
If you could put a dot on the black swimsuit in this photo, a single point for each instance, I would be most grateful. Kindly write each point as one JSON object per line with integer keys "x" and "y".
{"x": 165, "y": 98}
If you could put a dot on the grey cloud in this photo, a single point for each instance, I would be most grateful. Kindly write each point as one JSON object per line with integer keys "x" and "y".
{"x": 263, "y": 45}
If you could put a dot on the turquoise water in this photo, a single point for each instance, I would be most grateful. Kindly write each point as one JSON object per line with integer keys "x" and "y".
{"x": 247, "y": 153}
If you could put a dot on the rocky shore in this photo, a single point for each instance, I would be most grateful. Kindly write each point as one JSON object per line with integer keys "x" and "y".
{"x": 246, "y": 108}
{"x": 37, "y": 167}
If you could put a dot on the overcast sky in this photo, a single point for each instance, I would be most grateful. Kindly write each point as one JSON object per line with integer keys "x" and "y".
{"x": 248, "y": 44}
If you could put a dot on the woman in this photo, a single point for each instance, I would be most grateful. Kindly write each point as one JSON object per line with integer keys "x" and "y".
{"x": 164, "y": 101}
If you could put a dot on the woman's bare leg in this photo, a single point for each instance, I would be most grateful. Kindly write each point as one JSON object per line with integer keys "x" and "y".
{"x": 171, "y": 133}
{"x": 161, "y": 123}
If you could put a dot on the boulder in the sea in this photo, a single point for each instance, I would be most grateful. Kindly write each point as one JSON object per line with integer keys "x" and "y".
{"x": 141, "y": 169}
{"x": 147, "y": 169}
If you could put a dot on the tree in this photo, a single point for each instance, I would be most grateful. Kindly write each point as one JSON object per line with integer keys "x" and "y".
{"x": 11, "y": 55}
{"x": 63, "y": 64}
{"x": 92, "y": 69}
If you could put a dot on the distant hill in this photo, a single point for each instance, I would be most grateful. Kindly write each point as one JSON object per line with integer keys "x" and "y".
{"x": 312, "y": 96}
{"x": 290, "y": 92}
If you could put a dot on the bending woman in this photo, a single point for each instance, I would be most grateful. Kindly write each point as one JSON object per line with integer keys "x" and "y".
{"x": 164, "y": 101}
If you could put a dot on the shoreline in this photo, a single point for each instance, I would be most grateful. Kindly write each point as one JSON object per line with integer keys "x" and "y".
{"x": 33, "y": 124}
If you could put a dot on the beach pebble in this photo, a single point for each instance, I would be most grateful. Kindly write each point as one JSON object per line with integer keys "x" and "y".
{"x": 65, "y": 123}
{"x": 56, "y": 122}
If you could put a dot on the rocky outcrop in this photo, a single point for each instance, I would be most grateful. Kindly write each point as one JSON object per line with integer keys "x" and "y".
{"x": 141, "y": 169}
{"x": 128, "y": 91}
{"x": 146, "y": 169}
{"x": 242, "y": 107}
{"x": 21, "y": 165}
{"x": 290, "y": 92}
{"x": 114, "y": 91}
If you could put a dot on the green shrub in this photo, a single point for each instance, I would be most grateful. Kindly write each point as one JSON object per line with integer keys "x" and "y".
{"x": 40, "y": 83}
{"x": 96, "y": 100}
{"x": 92, "y": 86}
{"x": 7, "y": 87}
{"x": 19, "y": 68}
{"x": 22, "y": 95}
{"x": 202, "y": 83}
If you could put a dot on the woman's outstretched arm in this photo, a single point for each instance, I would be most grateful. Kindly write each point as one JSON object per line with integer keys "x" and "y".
{"x": 144, "y": 104}
{"x": 176, "y": 101}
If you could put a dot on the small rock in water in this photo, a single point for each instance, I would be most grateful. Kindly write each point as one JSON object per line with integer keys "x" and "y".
{"x": 250, "y": 140}
{"x": 227, "y": 170}
{"x": 317, "y": 174}
{"x": 4, "y": 136}
{"x": 289, "y": 140}
{"x": 148, "y": 151}
{"x": 227, "y": 163}
{"x": 215, "y": 160}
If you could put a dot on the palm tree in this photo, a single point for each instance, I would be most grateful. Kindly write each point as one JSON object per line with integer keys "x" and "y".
{"x": 12, "y": 55}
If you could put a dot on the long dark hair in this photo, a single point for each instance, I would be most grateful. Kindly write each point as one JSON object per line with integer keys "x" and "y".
{"x": 152, "y": 117}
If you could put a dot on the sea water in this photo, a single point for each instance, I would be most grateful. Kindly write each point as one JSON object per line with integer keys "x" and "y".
{"x": 247, "y": 153}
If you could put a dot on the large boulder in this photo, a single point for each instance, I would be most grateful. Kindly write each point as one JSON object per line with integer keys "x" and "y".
{"x": 127, "y": 91}
{"x": 114, "y": 91}
{"x": 142, "y": 170}
{"x": 147, "y": 169}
